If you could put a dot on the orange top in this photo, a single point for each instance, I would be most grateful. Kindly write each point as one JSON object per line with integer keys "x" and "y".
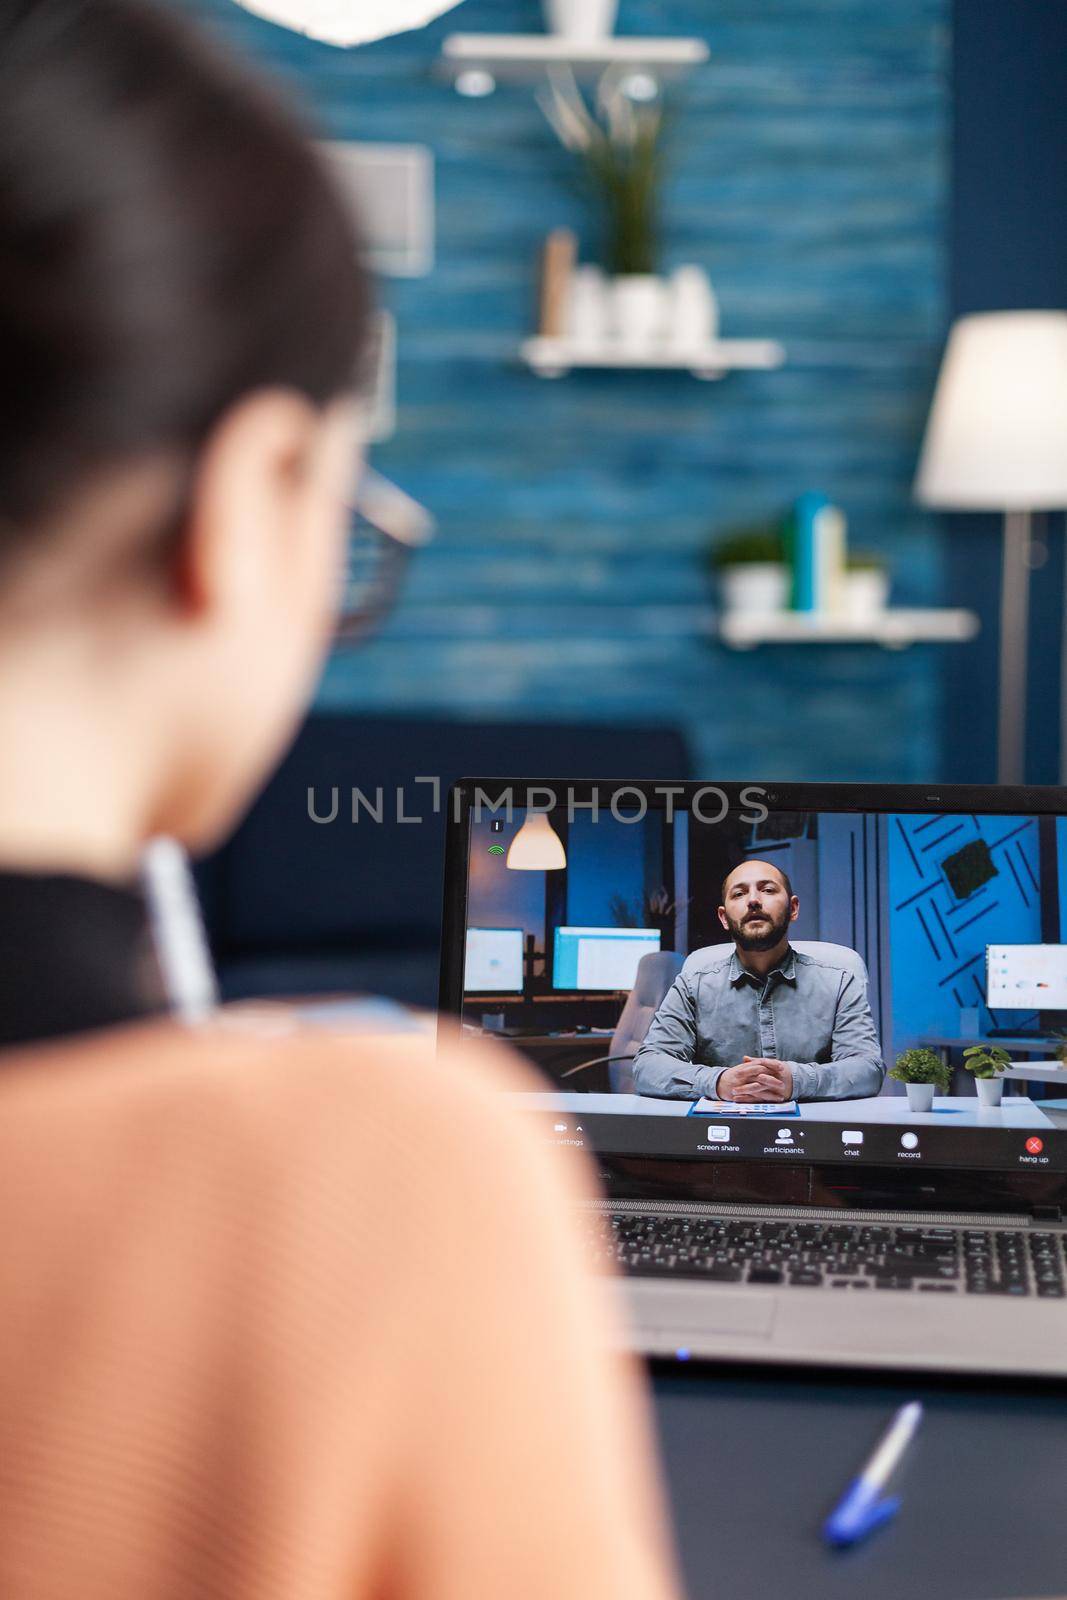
{"x": 300, "y": 1317}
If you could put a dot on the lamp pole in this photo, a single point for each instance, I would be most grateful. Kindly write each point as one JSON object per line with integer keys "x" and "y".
{"x": 1014, "y": 638}
{"x": 996, "y": 440}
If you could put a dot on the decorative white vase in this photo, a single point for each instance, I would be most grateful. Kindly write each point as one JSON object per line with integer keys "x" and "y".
{"x": 639, "y": 311}
{"x": 581, "y": 20}
{"x": 920, "y": 1096}
{"x": 866, "y": 593}
{"x": 693, "y": 318}
{"x": 587, "y": 319}
{"x": 756, "y": 588}
{"x": 990, "y": 1091}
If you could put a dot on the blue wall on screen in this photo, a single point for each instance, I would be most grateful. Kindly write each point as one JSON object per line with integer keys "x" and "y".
{"x": 937, "y": 940}
{"x": 605, "y": 861}
{"x": 1059, "y": 933}
{"x": 499, "y": 896}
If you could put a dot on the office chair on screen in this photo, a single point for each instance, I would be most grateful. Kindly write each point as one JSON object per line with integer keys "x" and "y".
{"x": 655, "y": 974}
{"x": 842, "y": 954}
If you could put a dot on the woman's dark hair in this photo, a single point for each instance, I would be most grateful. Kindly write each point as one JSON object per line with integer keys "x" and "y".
{"x": 169, "y": 242}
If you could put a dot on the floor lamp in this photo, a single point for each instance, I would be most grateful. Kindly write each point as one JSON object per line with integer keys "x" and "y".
{"x": 996, "y": 440}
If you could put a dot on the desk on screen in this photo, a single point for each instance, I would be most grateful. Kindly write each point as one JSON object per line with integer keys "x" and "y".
{"x": 956, "y": 1111}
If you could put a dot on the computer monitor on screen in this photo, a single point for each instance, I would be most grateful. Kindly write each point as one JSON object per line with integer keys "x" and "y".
{"x": 600, "y": 958}
{"x": 1026, "y": 977}
{"x": 737, "y": 1086}
{"x": 493, "y": 962}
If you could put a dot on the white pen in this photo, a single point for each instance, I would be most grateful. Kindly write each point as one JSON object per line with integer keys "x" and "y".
{"x": 862, "y": 1508}
{"x": 178, "y": 931}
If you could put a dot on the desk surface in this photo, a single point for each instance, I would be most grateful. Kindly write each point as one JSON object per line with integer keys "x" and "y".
{"x": 754, "y": 1463}
{"x": 1009, "y": 1041}
{"x": 956, "y": 1111}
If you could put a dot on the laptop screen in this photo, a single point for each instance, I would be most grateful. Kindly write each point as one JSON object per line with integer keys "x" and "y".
{"x": 711, "y": 975}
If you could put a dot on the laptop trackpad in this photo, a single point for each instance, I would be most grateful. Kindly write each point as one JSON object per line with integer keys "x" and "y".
{"x": 685, "y": 1308}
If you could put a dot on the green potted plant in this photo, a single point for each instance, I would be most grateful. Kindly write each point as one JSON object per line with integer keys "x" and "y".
{"x": 866, "y": 585}
{"x": 621, "y": 156}
{"x": 751, "y": 570}
{"x": 655, "y": 909}
{"x": 921, "y": 1071}
{"x": 987, "y": 1062}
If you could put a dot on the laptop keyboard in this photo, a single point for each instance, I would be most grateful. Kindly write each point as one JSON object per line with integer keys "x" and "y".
{"x": 831, "y": 1255}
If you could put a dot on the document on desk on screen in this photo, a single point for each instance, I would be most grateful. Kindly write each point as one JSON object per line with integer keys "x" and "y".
{"x": 745, "y": 1108}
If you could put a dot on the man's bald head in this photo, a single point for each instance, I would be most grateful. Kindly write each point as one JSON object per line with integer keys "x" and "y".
{"x": 755, "y": 866}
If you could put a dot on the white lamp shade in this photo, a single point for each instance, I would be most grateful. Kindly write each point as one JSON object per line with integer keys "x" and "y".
{"x": 997, "y": 435}
{"x": 348, "y": 22}
{"x": 537, "y": 847}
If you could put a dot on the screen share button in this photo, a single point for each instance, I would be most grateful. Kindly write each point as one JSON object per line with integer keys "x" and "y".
{"x": 717, "y": 1139}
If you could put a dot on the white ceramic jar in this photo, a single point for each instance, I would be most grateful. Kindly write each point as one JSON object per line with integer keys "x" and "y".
{"x": 581, "y": 20}
{"x": 755, "y": 588}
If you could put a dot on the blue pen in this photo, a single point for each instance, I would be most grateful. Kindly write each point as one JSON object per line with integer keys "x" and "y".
{"x": 861, "y": 1508}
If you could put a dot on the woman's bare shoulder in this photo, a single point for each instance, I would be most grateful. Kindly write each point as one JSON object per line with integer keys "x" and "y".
{"x": 254, "y": 1068}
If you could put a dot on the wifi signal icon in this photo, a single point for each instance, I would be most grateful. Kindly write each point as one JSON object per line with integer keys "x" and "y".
{"x": 496, "y": 849}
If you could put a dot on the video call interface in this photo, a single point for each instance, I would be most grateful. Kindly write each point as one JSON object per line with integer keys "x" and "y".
{"x": 746, "y": 987}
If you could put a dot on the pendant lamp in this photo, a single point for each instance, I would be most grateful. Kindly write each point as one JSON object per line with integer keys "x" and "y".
{"x": 348, "y": 22}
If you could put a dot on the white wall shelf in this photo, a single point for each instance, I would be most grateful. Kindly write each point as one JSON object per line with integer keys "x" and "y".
{"x": 895, "y": 629}
{"x": 523, "y": 57}
{"x": 553, "y": 358}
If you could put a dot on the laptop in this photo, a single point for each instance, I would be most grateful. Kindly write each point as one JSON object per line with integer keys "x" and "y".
{"x": 711, "y": 985}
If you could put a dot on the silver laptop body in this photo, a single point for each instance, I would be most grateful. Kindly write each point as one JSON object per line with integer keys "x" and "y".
{"x": 950, "y": 1331}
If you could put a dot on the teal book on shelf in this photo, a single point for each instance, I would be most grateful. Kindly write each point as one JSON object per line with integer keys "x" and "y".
{"x": 802, "y": 551}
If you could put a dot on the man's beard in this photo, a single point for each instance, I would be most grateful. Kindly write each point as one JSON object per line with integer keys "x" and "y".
{"x": 766, "y": 939}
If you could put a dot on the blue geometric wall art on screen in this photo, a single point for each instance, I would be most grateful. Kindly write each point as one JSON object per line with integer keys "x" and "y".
{"x": 943, "y": 916}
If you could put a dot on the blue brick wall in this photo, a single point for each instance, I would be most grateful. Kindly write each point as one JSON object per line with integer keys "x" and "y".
{"x": 809, "y": 174}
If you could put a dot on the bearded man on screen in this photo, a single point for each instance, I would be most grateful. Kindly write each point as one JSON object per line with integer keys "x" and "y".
{"x": 759, "y": 1020}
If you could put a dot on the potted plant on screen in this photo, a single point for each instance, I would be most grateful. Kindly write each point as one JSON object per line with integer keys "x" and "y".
{"x": 987, "y": 1062}
{"x": 656, "y": 909}
{"x": 921, "y": 1072}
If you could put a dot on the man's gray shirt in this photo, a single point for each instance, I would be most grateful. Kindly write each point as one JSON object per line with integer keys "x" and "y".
{"x": 811, "y": 1013}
